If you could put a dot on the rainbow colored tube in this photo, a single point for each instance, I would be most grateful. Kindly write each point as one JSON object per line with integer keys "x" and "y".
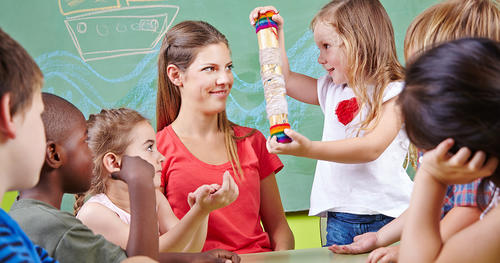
{"x": 272, "y": 76}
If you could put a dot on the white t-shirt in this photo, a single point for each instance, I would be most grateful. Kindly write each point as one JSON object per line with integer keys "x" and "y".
{"x": 378, "y": 187}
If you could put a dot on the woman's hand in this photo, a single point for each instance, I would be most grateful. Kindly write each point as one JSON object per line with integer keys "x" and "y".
{"x": 459, "y": 168}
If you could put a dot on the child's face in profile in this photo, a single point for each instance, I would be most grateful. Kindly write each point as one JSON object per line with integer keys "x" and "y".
{"x": 206, "y": 83}
{"x": 77, "y": 168}
{"x": 144, "y": 145}
{"x": 332, "y": 54}
{"x": 30, "y": 150}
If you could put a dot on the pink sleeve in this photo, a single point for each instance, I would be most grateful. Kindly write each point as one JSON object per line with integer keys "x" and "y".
{"x": 268, "y": 163}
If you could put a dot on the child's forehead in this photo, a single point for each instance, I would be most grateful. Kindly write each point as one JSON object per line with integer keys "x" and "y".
{"x": 143, "y": 127}
{"x": 325, "y": 31}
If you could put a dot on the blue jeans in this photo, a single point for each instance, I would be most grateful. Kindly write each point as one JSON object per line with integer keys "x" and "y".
{"x": 343, "y": 227}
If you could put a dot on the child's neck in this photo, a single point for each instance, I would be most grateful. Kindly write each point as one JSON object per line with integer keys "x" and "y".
{"x": 6, "y": 166}
{"x": 48, "y": 190}
{"x": 117, "y": 192}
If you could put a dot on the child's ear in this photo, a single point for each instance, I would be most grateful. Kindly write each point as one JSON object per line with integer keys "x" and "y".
{"x": 111, "y": 162}
{"x": 7, "y": 125}
{"x": 174, "y": 74}
{"x": 53, "y": 155}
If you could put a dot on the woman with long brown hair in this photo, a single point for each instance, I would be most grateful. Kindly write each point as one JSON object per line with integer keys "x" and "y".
{"x": 200, "y": 143}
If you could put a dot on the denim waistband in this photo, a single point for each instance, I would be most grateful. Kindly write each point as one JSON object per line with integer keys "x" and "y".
{"x": 359, "y": 219}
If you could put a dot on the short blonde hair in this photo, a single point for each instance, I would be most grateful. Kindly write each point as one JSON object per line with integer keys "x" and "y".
{"x": 450, "y": 20}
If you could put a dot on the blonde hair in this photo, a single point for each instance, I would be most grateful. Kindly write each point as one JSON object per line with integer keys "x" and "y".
{"x": 108, "y": 131}
{"x": 368, "y": 37}
{"x": 180, "y": 47}
{"x": 452, "y": 20}
{"x": 447, "y": 21}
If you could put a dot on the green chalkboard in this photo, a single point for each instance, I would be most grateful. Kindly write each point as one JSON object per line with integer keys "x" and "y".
{"x": 102, "y": 54}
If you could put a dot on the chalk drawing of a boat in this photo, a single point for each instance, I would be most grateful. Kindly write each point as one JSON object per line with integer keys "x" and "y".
{"x": 108, "y": 29}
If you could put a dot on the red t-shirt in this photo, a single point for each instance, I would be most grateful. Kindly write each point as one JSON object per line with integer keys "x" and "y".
{"x": 237, "y": 226}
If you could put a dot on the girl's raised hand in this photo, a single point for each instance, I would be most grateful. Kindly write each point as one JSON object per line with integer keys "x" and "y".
{"x": 459, "y": 168}
{"x": 299, "y": 146}
{"x": 256, "y": 12}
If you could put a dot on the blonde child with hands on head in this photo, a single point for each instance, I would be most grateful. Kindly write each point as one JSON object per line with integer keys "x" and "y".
{"x": 440, "y": 23}
{"x": 451, "y": 104}
{"x": 360, "y": 183}
{"x": 115, "y": 133}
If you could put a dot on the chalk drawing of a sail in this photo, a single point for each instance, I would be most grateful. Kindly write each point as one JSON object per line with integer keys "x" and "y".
{"x": 107, "y": 29}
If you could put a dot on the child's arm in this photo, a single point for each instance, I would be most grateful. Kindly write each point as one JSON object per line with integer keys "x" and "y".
{"x": 189, "y": 233}
{"x": 202, "y": 229}
{"x": 273, "y": 216}
{"x": 141, "y": 237}
{"x": 421, "y": 239}
{"x": 369, "y": 241}
{"x": 181, "y": 235}
{"x": 353, "y": 150}
{"x": 456, "y": 219}
{"x": 214, "y": 255}
{"x": 101, "y": 220}
{"x": 298, "y": 86}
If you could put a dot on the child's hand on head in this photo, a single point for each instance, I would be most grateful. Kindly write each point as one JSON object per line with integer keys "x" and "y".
{"x": 459, "y": 168}
{"x": 299, "y": 146}
{"x": 133, "y": 167}
{"x": 212, "y": 197}
{"x": 262, "y": 10}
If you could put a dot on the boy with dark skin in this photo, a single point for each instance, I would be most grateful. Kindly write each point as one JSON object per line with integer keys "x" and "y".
{"x": 68, "y": 169}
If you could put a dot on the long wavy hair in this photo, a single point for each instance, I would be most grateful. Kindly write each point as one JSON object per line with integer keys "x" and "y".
{"x": 180, "y": 48}
{"x": 108, "y": 131}
{"x": 368, "y": 38}
{"x": 453, "y": 91}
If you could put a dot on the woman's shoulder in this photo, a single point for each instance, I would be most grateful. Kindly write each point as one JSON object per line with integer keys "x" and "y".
{"x": 165, "y": 140}
{"x": 164, "y": 133}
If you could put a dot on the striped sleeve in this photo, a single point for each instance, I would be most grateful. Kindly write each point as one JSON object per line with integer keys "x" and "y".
{"x": 12, "y": 248}
{"x": 44, "y": 256}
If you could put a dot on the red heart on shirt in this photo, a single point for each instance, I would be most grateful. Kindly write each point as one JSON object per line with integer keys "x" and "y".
{"x": 346, "y": 110}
